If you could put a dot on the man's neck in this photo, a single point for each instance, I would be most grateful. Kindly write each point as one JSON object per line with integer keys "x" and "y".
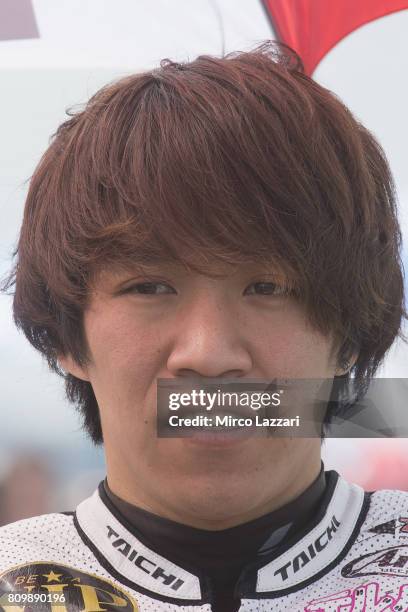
{"x": 223, "y": 518}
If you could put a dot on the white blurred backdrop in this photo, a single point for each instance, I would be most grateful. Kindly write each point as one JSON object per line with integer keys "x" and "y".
{"x": 77, "y": 46}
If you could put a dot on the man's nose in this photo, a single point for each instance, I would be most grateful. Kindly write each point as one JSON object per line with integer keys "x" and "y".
{"x": 209, "y": 341}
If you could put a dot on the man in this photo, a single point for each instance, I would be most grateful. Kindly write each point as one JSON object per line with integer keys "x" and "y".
{"x": 222, "y": 219}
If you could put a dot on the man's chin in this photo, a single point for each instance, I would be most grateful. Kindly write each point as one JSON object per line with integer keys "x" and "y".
{"x": 219, "y": 439}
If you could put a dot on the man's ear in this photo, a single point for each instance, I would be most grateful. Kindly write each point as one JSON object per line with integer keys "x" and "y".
{"x": 343, "y": 368}
{"x": 70, "y": 366}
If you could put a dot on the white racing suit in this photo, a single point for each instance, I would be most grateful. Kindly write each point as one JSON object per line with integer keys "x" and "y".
{"x": 352, "y": 558}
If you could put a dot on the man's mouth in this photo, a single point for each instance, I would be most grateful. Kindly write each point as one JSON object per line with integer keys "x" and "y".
{"x": 220, "y": 428}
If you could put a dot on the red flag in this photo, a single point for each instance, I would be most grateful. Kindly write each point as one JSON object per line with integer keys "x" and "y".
{"x": 313, "y": 27}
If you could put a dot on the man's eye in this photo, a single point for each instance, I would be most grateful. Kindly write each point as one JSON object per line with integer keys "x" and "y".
{"x": 266, "y": 288}
{"x": 150, "y": 289}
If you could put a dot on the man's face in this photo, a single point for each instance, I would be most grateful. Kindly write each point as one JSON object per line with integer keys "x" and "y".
{"x": 168, "y": 322}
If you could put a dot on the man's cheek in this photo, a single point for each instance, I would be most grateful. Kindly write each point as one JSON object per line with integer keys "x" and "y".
{"x": 122, "y": 355}
{"x": 297, "y": 355}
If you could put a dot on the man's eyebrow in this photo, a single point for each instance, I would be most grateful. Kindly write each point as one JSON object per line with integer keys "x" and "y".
{"x": 131, "y": 265}
{"x": 116, "y": 272}
{"x": 153, "y": 265}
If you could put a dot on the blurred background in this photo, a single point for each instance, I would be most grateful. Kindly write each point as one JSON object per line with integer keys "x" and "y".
{"x": 54, "y": 55}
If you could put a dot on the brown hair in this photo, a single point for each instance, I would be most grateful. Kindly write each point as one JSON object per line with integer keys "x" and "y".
{"x": 240, "y": 158}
